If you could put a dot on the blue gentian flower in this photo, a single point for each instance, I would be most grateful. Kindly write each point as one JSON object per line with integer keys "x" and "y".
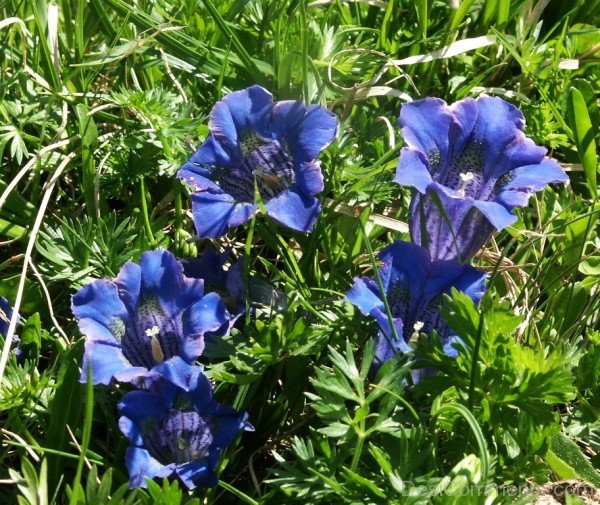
{"x": 473, "y": 160}
{"x": 148, "y": 314}
{"x": 176, "y": 428}
{"x": 229, "y": 283}
{"x": 254, "y": 141}
{"x": 413, "y": 285}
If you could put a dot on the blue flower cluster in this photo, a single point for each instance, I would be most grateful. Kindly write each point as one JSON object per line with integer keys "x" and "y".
{"x": 470, "y": 165}
{"x": 147, "y": 327}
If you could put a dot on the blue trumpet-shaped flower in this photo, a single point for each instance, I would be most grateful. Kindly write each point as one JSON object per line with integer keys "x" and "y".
{"x": 413, "y": 284}
{"x": 255, "y": 143}
{"x": 176, "y": 428}
{"x": 471, "y": 165}
{"x": 148, "y": 314}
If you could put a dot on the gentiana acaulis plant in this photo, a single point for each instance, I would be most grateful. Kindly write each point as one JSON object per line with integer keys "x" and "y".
{"x": 257, "y": 145}
{"x": 177, "y": 429}
{"x": 413, "y": 284}
{"x": 471, "y": 165}
{"x": 150, "y": 313}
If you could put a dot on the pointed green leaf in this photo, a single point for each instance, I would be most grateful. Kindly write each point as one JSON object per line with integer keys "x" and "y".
{"x": 583, "y": 132}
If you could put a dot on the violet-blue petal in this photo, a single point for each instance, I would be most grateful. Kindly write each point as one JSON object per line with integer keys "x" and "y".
{"x": 208, "y": 267}
{"x": 362, "y": 296}
{"x": 455, "y": 229}
{"x": 228, "y": 428}
{"x": 162, "y": 276}
{"x": 179, "y": 373}
{"x": 413, "y": 283}
{"x": 215, "y": 212}
{"x": 316, "y": 131}
{"x": 309, "y": 179}
{"x": 137, "y": 409}
{"x": 105, "y": 359}
{"x": 99, "y": 300}
{"x": 199, "y": 169}
{"x": 202, "y": 395}
{"x": 198, "y": 473}
{"x": 294, "y": 210}
{"x": 239, "y": 113}
{"x": 499, "y": 123}
{"x": 205, "y": 316}
{"x": 142, "y": 466}
{"x": 498, "y": 215}
{"x": 460, "y": 159}
{"x": 181, "y": 429}
{"x": 286, "y": 116}
{"x": 413, "y": 170}
{"x": 387, "y": 347}
{"x": 436, "y": 129}
{"x": 525, "y": 181}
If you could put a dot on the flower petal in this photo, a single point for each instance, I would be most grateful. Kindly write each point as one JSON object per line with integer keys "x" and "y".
{"x": 105, "y": 358}
{"x": 500, "y": 124}
{"x": 309, "y": 178}
{"x": 363, "y": 295}
{"x": 99, "y": 300}
{"x": 205, "y": 316}
{"x": 198, "y": 170}
{"x": 286, "y": 116}
{"x": 136, "y": 409}
{"x": 179, "y": 373}
{"x": 437, "y": 130}
{"x": 215, "y": 212}
{"x": 294, "y": 210}
{"x": 525, "y": 181}
{"x": 317, "y": 130}
{"x": 455, "y": 229}
{"x": 498, "y": 215}
{"x": 162, "y": 276}
{"x": 227, "y": 428}
{"x": 413, "y": 170}
{"x": 387, "y": 347}
{"x": 239, "y": 113}
{"x": 198, "y": 473}
{"x": 142, "y": 466}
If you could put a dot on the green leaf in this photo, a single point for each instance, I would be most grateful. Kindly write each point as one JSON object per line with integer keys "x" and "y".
{"x": 364, "y": 483}
{"x": 567, "y": 460}
{"x": 31, "y": 337}
{"x": 65, "y": 409}
{"x": 89, "y": 141}
{"x": 581, "y": 124}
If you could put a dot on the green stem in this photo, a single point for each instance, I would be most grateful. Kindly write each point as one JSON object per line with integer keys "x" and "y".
{"x": 145, "y": 212}
{"x": 304, "y": 42}
{"x": 359, "y": 447}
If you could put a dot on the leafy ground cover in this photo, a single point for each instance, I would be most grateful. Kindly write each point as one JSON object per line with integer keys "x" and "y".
{"x": 102, "y": 101}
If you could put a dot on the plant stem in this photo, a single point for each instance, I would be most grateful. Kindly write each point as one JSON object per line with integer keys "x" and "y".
{"x": 145, "y": 212}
